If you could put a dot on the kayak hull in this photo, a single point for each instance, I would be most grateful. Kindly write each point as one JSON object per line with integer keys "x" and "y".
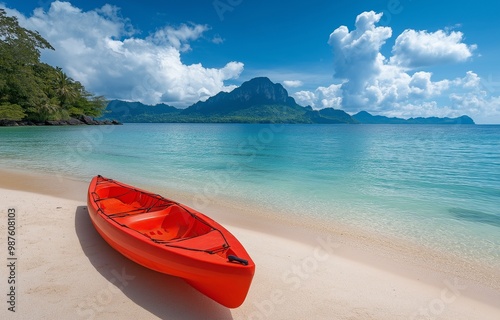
{"x": 171, "y": 238}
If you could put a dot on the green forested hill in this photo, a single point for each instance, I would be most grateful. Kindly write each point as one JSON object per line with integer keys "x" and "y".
{"x": 365, "y": 117}
{"x": 34, "y": 91}
{"x": 256, "y": 101}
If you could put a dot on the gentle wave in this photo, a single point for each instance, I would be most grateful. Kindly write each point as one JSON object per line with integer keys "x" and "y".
{"x": 437, "y": 185}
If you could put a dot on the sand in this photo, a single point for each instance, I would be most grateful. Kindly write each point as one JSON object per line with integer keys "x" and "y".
{"x": 65, "y": 269}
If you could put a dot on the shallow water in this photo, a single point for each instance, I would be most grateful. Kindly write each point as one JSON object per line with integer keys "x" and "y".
{"x": 437, "y": 185}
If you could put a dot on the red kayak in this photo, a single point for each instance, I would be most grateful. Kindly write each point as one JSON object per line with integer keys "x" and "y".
{"x": 169, "y": 237}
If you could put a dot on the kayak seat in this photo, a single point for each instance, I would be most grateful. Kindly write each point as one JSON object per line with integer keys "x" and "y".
{"x": 167, "y": 224}
{"x": 113, "y": 206}
{"x": 176, "y": 223}
{"x": 171, "y": 223}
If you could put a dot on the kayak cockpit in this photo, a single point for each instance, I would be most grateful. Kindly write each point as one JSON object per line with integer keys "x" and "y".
{"x": 116, "y": 200}
{"x": 158, "y": 219}
{"x": 171, "y": 223}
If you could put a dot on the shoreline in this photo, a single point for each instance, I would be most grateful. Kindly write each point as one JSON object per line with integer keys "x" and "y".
{"x": 79, "y": 121}
{"x": 296, "y": 262}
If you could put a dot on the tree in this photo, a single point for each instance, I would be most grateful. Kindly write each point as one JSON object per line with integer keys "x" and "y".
{"x": 20, "y": 44}
{"x": 65, "y": 88}
{"x": 34, "y": 90}
{"x": 43, "y": 111}
{"x": 19, "y": 52}
{"x": 11, "y": 112}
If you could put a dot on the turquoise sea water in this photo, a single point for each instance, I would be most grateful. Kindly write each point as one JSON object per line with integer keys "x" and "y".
{"x": 437, "y": 185}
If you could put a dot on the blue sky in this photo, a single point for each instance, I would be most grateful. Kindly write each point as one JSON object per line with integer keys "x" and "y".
{"x": 402, "y": 58}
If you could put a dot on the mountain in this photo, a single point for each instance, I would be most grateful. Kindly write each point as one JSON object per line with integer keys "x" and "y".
{"x": 255, "y": 92}
{"x": 258, "y": 100}
{"x": 367, "y": 118}
{"x": 329, "y": 115}
{"x": 136, "y": 111}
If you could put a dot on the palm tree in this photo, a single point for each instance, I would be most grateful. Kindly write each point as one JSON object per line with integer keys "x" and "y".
{"x": 44, "y": 110}
{"x": 65, "y": 88}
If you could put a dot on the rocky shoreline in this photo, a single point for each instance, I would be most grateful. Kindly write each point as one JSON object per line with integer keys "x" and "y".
{"x": 82, "y": 120}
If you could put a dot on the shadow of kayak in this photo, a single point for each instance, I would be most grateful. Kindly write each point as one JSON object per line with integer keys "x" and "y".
{"x": 165, "y": 296}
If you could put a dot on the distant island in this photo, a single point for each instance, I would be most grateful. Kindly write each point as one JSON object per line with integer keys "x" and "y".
{"x": 35, "y": 93}
{"x": 367, "y": 118}
{"x": 258, "y": 100}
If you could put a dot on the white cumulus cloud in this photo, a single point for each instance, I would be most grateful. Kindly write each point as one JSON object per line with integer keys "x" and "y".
{"x": 322, "y": 97}
{"x": 293, "y": 83}
{"x": 101, "y": 50}
{"x": 357, "y": 56}
{"x": 178, "y": 37}
{"x": 398, "y": 85}
{"x": 415, "y": 49}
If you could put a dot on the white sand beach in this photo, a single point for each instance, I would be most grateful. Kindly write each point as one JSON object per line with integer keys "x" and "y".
{"x": 65, "y": 269}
